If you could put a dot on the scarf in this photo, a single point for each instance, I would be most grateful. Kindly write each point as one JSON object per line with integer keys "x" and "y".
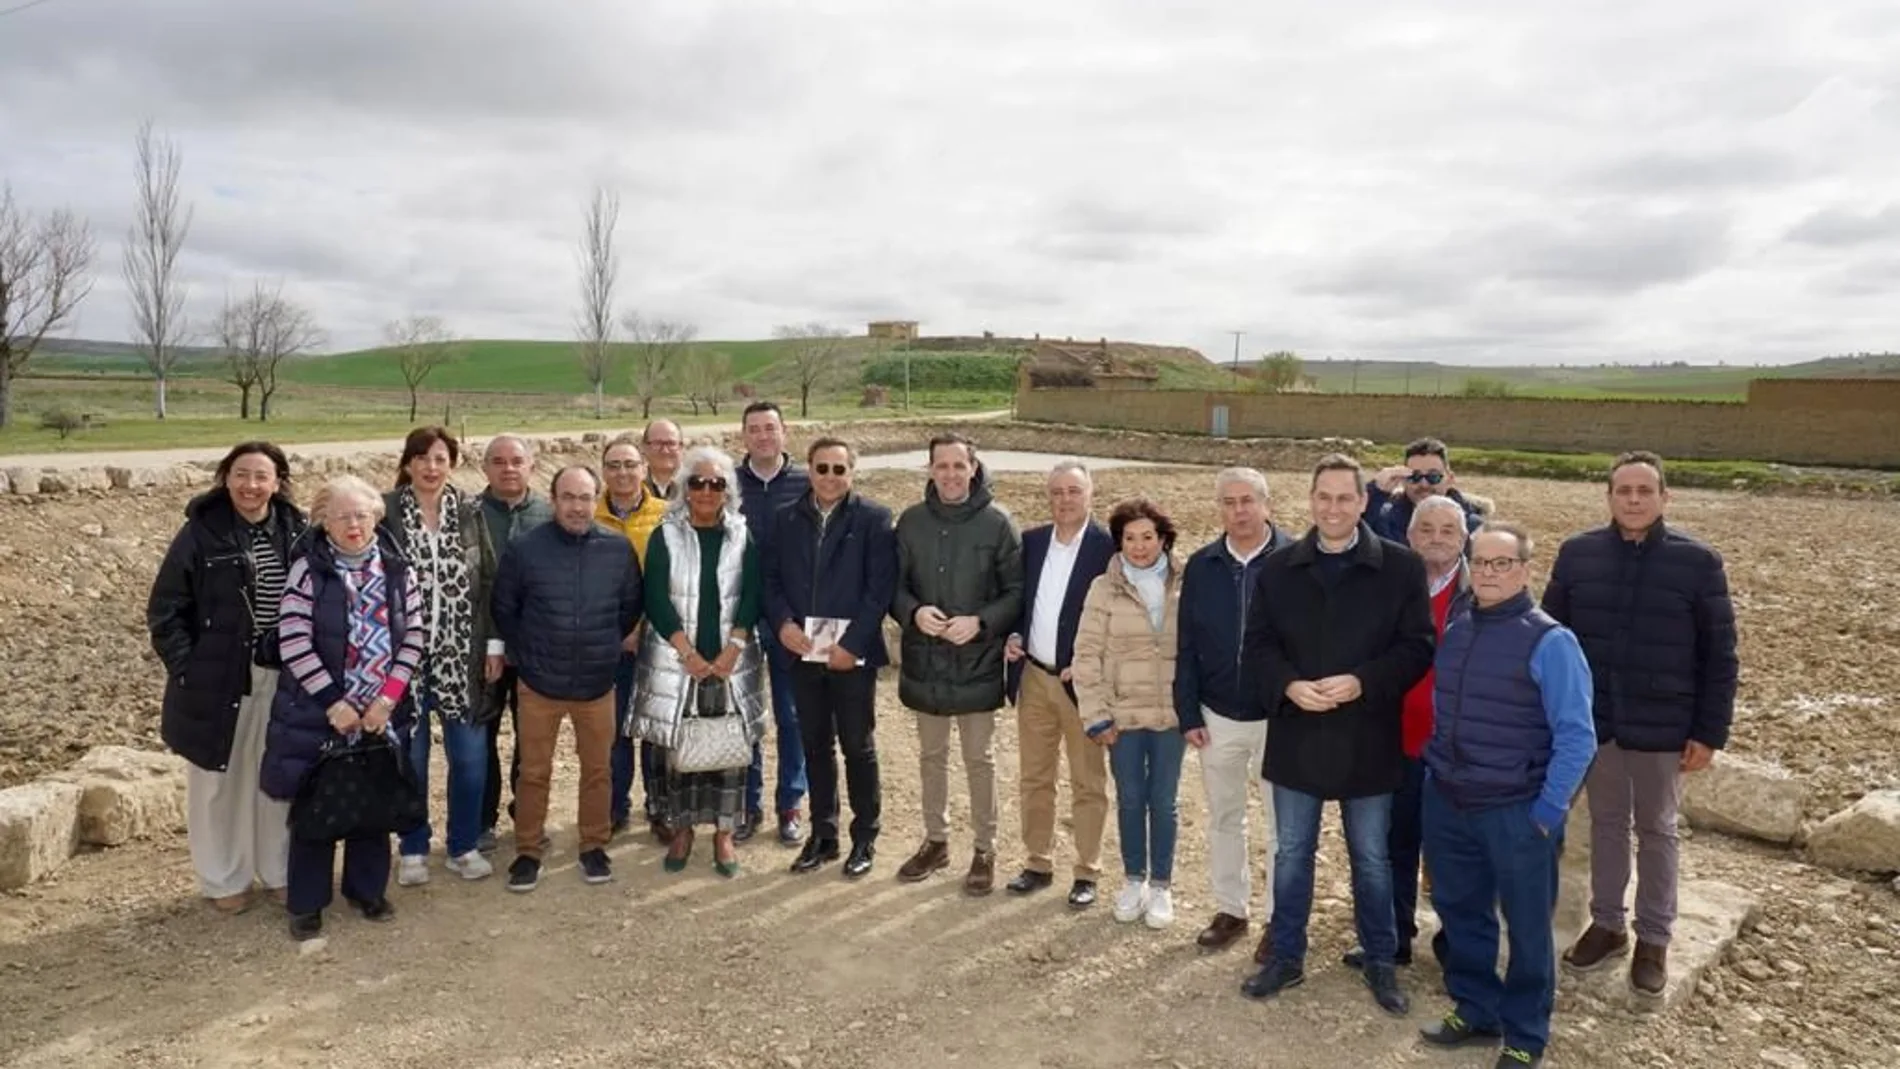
{"x": 448, "y": 598}
{"x": 1152, "y": 584}
{"x": 371, "y": 652}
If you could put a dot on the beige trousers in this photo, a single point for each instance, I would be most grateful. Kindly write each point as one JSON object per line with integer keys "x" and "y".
{"x": 1049, "y": 724}
{"x": 238, "y": 835}
{"x": 977, "y": 734}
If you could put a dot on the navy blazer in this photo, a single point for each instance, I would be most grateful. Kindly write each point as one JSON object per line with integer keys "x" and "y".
{"x": 847, "y": 570}
{"x": 1091, "y": 560}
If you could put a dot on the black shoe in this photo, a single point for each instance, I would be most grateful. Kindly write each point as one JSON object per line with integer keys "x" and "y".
{"x": 1082, "y": 894}
{"x": 1356, "y": 957}
{"x": 524, "y": 875}
{"x": 816, "y": 853}
{"x": 1513, "y": 1058}
{"x": 595, "y": 868}
{"x": 1029, "y": 881}
{"x": 306, "y": 926}
{"x": 858, "y": 862}
{"x": 748, "y": 827}
{"x": 621, "y": 824}
{"x": 1441, "y": 947}
{"x": 1384, "y": 982}
{"x": 1274, "y": 977}
{"x": 379, "y": 911}
{"x": 1452, "y": 1030}
{"x": 791, "y": 831}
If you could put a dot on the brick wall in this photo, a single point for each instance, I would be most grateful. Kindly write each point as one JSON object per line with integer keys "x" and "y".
{"x": 1846, "y": 423}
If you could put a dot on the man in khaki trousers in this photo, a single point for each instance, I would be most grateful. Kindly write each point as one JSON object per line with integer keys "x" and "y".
{"x": 1060, "y": 560}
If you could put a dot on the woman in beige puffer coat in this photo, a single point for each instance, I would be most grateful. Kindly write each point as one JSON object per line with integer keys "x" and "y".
{"x": 1124, "y": 687}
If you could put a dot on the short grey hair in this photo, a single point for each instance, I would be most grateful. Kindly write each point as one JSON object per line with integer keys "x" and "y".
{"x": 1072, "y": 464}
{"x": 346, "y": 486}
{"x": 1437, "y": 503}
{"x": 527, "y": 447}
{"x": 1525, "y": 547}
{"x": 1250, "y": 477}
{"x": 701, "y": 456}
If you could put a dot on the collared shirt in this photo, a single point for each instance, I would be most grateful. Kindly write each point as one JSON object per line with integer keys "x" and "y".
{"x": 1439, "y": 584}
{"x": 1046, "y": 616}
{"x": 669, "y": 492}
{"x": 1243, "y": 558}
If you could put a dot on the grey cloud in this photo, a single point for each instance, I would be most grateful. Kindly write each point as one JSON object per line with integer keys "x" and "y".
{"x": 1612, "y": 251}
{"x": 1841, "y": 227}
{"x": 1677, "y": 171}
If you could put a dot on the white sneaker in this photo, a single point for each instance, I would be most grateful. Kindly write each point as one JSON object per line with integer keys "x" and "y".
{"x": 1160, "y": 911}
{"x": 413, "y": 872}
{"x": 470, "y": 866}
{"x": 1133, "y": 900}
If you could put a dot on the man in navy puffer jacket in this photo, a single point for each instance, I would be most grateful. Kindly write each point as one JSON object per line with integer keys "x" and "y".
{"x": 1511, "y": 740}
{"x": 1651, "y": 607}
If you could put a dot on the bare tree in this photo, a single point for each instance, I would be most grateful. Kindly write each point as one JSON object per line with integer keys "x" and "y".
{"x": 257, "y": 334}
{"x": 45, "y": 271}
{"x": 600, "y": 270}
{"x": 659, "y": 346}
{"x": 420, "y": 344}
{"x": 708, "y": 379}
{"x": 151, "y": 256}
{"x": 819, "y": 356}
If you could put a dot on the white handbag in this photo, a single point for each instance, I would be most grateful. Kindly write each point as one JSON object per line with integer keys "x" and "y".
{"x": 711, "y": 735}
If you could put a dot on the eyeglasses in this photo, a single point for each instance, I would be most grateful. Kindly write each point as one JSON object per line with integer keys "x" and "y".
{"x": 624, "y": 465}
{"x": 706, "y": 482}
{"x": 1430, "y": 478}
{"x": 831, "y": 469}
{"x": 1495, "y": 565}
{"x": 353, "y": 519}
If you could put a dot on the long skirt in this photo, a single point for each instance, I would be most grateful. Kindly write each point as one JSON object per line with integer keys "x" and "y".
{"x": 694, "y": 798}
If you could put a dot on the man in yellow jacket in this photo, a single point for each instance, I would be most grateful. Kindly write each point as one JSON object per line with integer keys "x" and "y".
{"x": 625, "y": 506}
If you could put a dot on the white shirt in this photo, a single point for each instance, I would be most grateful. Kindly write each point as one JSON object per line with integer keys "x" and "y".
{"x": 1257, "y": 550}
{"x": 1045, "y": 616}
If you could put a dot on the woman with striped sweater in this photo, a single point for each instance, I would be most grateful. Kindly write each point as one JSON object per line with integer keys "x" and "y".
{"x": 352, "y": 633}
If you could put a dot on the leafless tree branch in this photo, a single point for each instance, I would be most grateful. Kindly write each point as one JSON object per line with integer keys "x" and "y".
{"x": 659, "y": 346}
{"x": 420, "y": 344}
{"x": 151, "y": 256}
{"x": 45, "y": 272}
{"x": 600, "y": 271}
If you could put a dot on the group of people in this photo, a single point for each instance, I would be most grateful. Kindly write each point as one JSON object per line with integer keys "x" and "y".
{"x": 677, "y": 607}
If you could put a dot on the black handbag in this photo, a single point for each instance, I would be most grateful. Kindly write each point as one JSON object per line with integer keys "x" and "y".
{"x": 361, "y": 786}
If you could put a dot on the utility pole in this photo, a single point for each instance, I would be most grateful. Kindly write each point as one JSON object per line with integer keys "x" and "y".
{"x": 1237, "y": 336}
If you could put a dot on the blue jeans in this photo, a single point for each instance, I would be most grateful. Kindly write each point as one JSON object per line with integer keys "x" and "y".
{"x": 791, "y": 752}
{"x": 1483, "y": 861}
{"x": 1147, "y": 770}
{"x": 622, "y": 752}
{"x": 1296, "y": 819}
{"x": 466, "y": 746}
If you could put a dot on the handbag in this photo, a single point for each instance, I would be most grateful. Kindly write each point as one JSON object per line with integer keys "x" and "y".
{"x": 710, "y": 737}
{"x": 360, "y": 786}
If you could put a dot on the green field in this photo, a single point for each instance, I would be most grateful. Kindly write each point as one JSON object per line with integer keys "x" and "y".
{"x": 511, "y": 367}
{"x": 1672, "y": 382}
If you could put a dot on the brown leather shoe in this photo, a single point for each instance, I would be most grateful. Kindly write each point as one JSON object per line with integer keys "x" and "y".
{"x": 1221, "y": 932}
{"x": 1263, "y": 950}
{"x": 1649, "y": 969}
{"x": 982, "y": 877}
{"x": 1596, "y": 948}
{"x": 929, "y": 858}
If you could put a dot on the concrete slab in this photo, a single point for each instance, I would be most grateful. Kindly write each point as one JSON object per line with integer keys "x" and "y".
{"x": 39, "y": 830}
{"x": 1709, "y": 916}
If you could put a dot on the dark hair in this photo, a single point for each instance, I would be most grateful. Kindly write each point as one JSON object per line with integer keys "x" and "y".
{"x": 419, "y": 442}
{"x": 591, "y": 474}
{"x": 629, "y": 439}
{"x": 245, "y": 449}
{"x": 1428, "y": 447}
{"x": 757, "y": 407}
{"x": 1640, "y": 456}
{"x": 952, "y": 438}
{"x": 1340, "y": 462}
{"x": 831, "y": 443}
{"x": 1140, "y": 508}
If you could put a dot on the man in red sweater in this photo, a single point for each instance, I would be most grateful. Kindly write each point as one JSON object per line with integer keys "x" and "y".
{"x": 1437, "y": 534}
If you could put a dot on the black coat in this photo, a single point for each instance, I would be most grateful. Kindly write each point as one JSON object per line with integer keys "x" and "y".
{"x": 967, "y": 560}
{"x": 1658, "y": 629}
{"x": 563, "y": 603}
{"x": 1375, "y": 622}
{"x": 1091, "y": 560}
{"x": 846, "y": 570}
{"x": 199, "y": 616}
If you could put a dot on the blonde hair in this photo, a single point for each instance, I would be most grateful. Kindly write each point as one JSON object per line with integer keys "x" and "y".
{"x": 345, "y": 486}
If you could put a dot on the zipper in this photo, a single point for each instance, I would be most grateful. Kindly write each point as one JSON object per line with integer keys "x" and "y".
{"x": 1464, "y": 675}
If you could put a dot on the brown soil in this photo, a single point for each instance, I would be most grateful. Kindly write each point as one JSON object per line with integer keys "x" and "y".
{"x": 113, "y": 961}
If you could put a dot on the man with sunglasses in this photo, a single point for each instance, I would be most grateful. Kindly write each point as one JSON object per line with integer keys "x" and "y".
{"x": 769, "y": 480}
{"x": 1510, "y": 744}
{"x": 1395, "y": 492}
{"x": 829, "y": 578}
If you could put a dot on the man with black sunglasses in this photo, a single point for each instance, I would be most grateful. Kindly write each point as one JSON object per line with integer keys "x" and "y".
{"x": 1396, "y": 491}
{"x": 830, "y": 574}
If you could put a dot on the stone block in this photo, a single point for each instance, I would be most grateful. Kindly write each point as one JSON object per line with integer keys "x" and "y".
{"x": 127, "y": 794}
{"x": 1745, "y": 797}
{"x": 22, "y": 480}
{"x": 1710, "y": 915}
{"x": 73, "y": 480}
{"x": 1863, "y": 837}
{"x": 39, "y": 830}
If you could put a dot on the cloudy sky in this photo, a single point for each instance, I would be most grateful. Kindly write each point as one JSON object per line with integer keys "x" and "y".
{"x": 1495, "y": 181}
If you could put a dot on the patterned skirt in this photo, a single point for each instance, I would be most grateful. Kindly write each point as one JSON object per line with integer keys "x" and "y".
{"x": 694, "y": 798}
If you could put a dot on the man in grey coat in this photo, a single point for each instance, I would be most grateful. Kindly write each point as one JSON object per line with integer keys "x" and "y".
{"x": 959, "y": 593}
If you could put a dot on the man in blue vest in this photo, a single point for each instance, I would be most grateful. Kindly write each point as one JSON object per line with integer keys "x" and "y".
{"x": 1511, "y": 741}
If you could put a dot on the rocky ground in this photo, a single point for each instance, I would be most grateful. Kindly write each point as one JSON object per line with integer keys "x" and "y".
{"x": 114, "y": 962}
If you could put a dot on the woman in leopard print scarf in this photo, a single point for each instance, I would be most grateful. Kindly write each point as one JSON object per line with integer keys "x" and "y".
{"x": 436, "y": 526}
